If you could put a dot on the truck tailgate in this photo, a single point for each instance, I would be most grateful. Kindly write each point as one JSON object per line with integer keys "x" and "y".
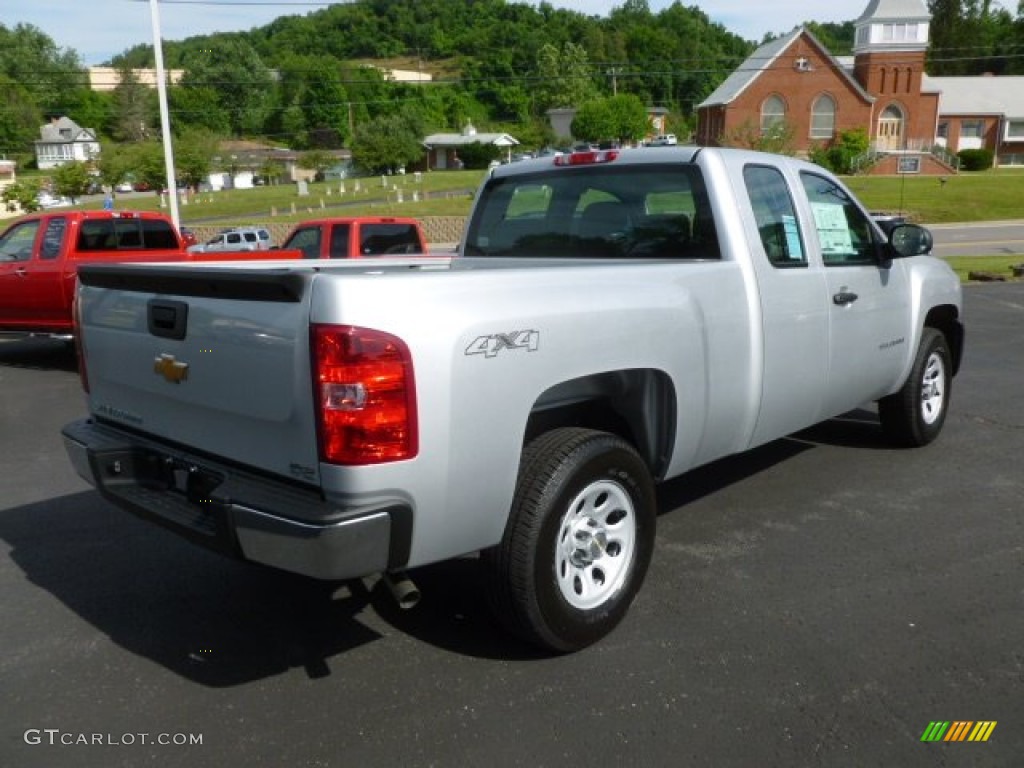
{"x": 216, "y": 359}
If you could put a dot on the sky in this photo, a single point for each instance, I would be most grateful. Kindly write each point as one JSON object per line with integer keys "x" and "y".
{"x": 99, "y": 29}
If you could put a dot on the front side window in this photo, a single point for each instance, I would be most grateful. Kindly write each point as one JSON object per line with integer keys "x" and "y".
{"x": 597, "y": 211}
{"x": 307, "y": 240}
{"x": 775, "y": 215}
{"x": 17, "y": 242}
{"x": 844, "y": 231}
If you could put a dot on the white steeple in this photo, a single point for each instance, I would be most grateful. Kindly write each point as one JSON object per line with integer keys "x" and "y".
{"x": 892, "y": 25}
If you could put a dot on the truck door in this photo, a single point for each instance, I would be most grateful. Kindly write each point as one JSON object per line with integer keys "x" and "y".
{"x": 31, "y": 272}
{"x": 868, "y": 302}
{"x": 794, "y": 313}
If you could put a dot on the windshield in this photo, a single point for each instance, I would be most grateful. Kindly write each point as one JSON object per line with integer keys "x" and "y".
{"x": 600, "y": 211}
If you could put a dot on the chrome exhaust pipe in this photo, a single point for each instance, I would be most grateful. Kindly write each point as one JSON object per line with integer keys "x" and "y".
{"x": 402, "y": 588}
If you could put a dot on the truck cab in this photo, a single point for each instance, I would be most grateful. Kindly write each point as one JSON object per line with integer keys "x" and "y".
{"x": 40, "y": 255}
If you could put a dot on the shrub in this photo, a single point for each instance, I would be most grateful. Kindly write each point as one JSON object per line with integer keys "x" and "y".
{"x": 975, "y": 159}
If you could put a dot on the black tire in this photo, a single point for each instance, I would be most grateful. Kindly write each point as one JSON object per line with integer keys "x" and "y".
{"x": 578, "y": 541}
{"x": 914, "y": 416}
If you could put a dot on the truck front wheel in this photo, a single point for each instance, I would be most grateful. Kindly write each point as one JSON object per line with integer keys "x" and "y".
{"x": 914, "y": 416}
{"x": 578, "y": 540}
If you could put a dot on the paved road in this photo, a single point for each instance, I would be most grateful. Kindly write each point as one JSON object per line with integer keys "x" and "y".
{"x": 995, "y": 238}
{"x": 817, "y": 602}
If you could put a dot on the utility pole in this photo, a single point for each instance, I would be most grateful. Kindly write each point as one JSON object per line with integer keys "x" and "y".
{"x": 165, "y": 122}
{"x": 615, "y": 72}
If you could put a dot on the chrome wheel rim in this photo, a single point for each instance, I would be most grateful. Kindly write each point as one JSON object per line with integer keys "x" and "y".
{"x": 596, "y": 544}
{"x": 933, "y": 388}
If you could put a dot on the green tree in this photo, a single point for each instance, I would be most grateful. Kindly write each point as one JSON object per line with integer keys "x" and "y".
{"x": 135, "y": 109}
{"x": 198, "y": 107}
{"x": 840, "y": 156}
{"x": 21, "y": 196}
{"x": 148, "y": 164}
{"x": 72, "y": 179}
{"x": 593, "y": 121}
{"x": 234, "y": 72}
{"x": 316, "y": 160}
{"x": 385, "y": 144}
{"x": 629, "y": 118}
{"x": 563, "y": 77}
{"x": 777, "y": 138}
{"x": 115, "y": 163}
{"x": 477, "y": 156}
{"x": 20, "y": 119}
{"x": 194, "y": 151}
{"x": 53, "y": 75}
{"x": 621, "y": 118}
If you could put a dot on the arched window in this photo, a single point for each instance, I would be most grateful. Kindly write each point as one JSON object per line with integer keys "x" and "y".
{"x": 823, "y": 117}
{"x": 773, "y": 112}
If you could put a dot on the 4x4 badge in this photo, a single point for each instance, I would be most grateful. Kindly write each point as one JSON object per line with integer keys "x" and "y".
{"x": 491, "y": 345}
{"x": 168, "y": 367}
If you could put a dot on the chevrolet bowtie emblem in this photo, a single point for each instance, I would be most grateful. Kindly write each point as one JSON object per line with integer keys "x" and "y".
{"x": 170, "y": 369}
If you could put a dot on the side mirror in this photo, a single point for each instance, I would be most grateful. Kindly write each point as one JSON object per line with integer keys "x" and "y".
{"x": 910, "y": 240}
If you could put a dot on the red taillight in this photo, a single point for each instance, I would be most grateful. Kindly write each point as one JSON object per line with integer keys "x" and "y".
{"x": 587, "y": 158}
{"x": 365, "y": 395}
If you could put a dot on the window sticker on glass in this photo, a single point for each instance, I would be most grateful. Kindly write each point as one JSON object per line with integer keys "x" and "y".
{"x": 794, "y": 248}
{"x": 833, "y": 231}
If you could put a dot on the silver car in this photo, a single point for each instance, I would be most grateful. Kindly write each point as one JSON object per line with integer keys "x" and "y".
{"x": 236, "y": 239}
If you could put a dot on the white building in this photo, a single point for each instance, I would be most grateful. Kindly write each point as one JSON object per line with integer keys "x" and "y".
{"x": 62, "y": 140}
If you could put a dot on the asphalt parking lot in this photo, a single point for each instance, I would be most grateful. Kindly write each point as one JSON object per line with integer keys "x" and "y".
{"x": 819, "y": 601}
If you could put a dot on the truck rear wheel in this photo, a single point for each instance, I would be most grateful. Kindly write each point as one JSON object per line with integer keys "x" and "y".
{"x": 578, "y": 540}
{"x": 914, "y": 416}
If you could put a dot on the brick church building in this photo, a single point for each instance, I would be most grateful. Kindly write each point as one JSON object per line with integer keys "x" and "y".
{"x": 916, "y": 123}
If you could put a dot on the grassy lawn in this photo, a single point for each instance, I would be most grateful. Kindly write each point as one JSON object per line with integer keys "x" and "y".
{"x": 999, "y": 265}
{"x": 441, "y": 193}
{"x": 987, "y": 196}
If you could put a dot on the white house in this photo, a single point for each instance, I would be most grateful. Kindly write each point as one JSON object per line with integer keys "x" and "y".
{"x": 62, "y": 140}
{"x": 443, "y": 148}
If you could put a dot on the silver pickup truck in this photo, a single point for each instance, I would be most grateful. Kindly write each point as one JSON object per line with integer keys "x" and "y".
{"x": 612, "y": 319}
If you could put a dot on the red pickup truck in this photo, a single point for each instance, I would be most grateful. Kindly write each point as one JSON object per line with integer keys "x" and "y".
{"x": 354, "y": 237}
{"x": 40, "y": 254}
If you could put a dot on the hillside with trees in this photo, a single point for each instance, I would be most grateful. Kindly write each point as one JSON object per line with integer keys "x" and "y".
{"x": 317, "y": 81}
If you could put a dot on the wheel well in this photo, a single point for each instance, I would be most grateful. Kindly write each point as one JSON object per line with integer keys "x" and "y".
{"x": 946, "y": 320}
{"x": 638, "y": 405}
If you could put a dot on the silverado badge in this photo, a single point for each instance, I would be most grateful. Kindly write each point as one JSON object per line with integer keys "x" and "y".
{"x": 166, "y": 366}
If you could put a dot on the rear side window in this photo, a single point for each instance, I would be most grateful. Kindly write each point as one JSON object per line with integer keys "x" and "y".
{"x": 159, "y": 234}
{"x": 125, "y": 234}
{"x": 53, "y": 238}
{"x": 775, "y": 215}
{"x": 601, "y": 211}
{"x": 339, "y": 241}
{"x": 384, "y": 239}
